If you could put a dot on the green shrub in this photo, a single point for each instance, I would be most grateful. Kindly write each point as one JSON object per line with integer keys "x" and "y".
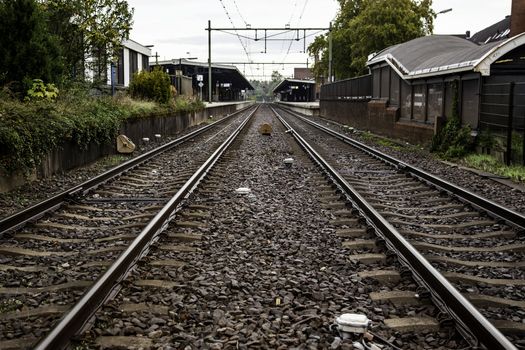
{"x": 454, "y": 140}
{"x": 41, "y": 91}
{"x": 154, "y": 85}
{"x": 30, "y": 130}
{"x": 183, "y": 104}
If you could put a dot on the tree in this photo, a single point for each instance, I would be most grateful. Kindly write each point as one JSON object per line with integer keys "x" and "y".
{"x": 366, "y": 26}
{"x": 264, "y": 89}
{"x": 384, "y": 23}
{"x": 27, "y": 50}
{"x": 91, "y": 30}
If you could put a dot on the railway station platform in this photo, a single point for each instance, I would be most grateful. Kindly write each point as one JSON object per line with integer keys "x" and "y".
{"x": 308, "y": 108}
{"x": 239, "y": 104}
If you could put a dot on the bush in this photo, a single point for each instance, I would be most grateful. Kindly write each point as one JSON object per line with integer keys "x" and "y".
{"x": 154, "y": 85}
{"x": 41, "y": 91}
{"x": 30, "y": 130}
{"x": 454, "y": 140}
{"x": 183, "y": 104}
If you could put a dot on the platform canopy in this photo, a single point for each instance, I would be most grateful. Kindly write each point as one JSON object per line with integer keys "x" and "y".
{"x": 227, "y": 81}
{"x": 295, "y": 90}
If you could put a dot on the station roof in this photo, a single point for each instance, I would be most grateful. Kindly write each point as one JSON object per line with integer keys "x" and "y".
{"x": 291, "y": 82}
{"x": 443, "y": 54}
{"x": 226, "y": 73}
{"x": 495, "y": 32}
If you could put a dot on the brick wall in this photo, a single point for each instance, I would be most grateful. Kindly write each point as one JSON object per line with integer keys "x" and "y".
{"x": 517, "y": 17}
{"x": 375, "y": 116}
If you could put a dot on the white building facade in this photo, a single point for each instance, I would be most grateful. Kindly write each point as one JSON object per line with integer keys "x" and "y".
{"x": 133, "y": 57}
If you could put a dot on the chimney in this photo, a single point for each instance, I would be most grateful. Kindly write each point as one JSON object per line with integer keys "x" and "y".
{"x": 517, "y": 17}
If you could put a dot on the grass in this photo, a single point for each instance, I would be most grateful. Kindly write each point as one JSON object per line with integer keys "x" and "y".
{"x": 381, "y": 141}
{"x": 490, "y": 164}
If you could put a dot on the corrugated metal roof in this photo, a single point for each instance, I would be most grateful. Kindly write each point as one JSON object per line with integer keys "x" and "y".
{"x": 495, "y": 32}
{"x": 434, "y": 53}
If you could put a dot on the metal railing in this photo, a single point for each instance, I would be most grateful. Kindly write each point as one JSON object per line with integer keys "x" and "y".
{"x": 359, "y": 88}
{"x": 503, "y": 113}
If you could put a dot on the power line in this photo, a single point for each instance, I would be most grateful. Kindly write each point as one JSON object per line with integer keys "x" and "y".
{"x": 237, "y": 34}
{"x": 298, "y": 22}
{"x": 239, "y": 12}
{"x": 244, "y": 20}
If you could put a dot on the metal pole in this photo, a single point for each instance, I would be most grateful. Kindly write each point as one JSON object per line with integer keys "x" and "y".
{"x": 113, "y": 70}
{"x": 179, "y": 79}
{"x": 330, "y": 54}
{"x": 209, "y": 63}
{"x": 509, "y": 125}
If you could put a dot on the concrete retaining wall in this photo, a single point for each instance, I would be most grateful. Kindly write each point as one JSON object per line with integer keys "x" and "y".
{"x": 311, "y": 110}
{"x": 69, "y": 155}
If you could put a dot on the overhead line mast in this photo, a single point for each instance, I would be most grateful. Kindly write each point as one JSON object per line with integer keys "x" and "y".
{"x": 265, "y": 29}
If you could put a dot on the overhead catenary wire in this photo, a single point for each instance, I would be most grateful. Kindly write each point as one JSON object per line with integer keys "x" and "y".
{"x": 242, "y": 19}
{"x": 239, "y": 12}
{"x": 298, "y": 22}
{"x": 289, "y": 22}
{"x": 261, "y": 32}
{"x": 237, "y": 34}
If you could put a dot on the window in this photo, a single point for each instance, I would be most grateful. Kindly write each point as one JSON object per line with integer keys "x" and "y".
{"x": 385, "y": 82}
{"x": 435, "y": 102}
{"x": 133, "y": 63}
{"x": 419, "y": 102}
{"x": 145, "y": 62}
{"x": 120, "y": 68}
{"x": 406, "y": 100}
{"x": 394, "y": 89}
{"x": 376, "y": 82}
{"x": 451, "y": 90}
{"x": 470, "y": 100}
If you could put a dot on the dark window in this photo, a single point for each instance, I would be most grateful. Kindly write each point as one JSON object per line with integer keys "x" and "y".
{"x": 406, "y": 100}
{"x": 376, "y": 82}
{"x": 394, "y": 89}
{"x": 470, "y": 100}
{"x": 385, "y": 82}
{"x": 419, "y": 102}
{"x": 435, "y": 101}
{"x": 449, "y": 98}
{"x": 120, "y": 68}
{"x": 133, "y": 63}
{"x": 145, "y": 62}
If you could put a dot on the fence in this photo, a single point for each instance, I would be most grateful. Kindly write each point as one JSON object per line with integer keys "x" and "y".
{"x": 503, "y": 113}
{"x": 359, "y": 88}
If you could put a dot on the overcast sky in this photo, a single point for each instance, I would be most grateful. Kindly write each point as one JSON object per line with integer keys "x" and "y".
{"x": 176, "y": 27}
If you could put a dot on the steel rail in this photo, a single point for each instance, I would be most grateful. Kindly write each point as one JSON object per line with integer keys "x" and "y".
{"x": 492, "y": 208}
{"x": 475, "y": 323}
{"x": 36, "y": 211}
{"x": 74, "y": 321}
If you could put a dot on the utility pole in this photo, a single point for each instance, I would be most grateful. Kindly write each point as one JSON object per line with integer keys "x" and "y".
{"x": 209, "y": 63}
{"x": 330, "y": 54}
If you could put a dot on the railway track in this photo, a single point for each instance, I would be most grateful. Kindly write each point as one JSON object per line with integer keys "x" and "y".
{"x": 53, "y": 252}
{"x": 476, "y": 244}
{"x": 270, "y": 268}
{"x": 248, "y": 271}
